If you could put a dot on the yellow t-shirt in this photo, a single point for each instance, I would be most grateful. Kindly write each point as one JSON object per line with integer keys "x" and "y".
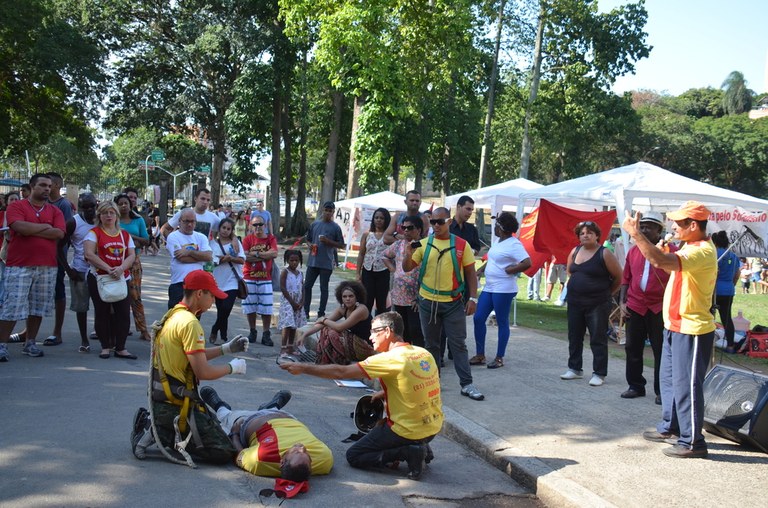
{"x": 411, "y": 385}
{"x": 273, "y": 439}
{"x": 181, "y": 335}
{"x": 441, "y": 276}
{"x": 688, "y": 296}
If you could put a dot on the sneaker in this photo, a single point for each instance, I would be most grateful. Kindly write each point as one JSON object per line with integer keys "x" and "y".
{"x": 3, "y": 353}
{"x": 472, "y": 392}
{"x": 32, "y": 350}
{"x": 545, "y": 299}
{"x": 212, "y": 399}
{"x": 266, "y": 338}
{"x": 414, "y": 456}
{"x": 684, "y": 452}
{"x": 596, "y": 380}
{"x": 253, "y": 336}
{"x": 279, "y": 401}
{"x": 632, "y": 393}
{"x": 141, "y": 425}
{"x": 559, "y": 303}
{"x": 16, "y": 337}
{"x": 572, "y": 374}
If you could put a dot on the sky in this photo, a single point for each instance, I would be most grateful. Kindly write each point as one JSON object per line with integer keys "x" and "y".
{"x": 698, "y": 43}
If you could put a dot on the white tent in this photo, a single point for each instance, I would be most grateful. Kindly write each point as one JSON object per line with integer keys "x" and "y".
{"x": 640, "y": 186}
{"x": 496, "y": 197}
{"x": 389, "y": 200}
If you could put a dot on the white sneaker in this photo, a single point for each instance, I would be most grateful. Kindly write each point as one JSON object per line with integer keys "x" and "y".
{"x": 545, "y": 299}
{"x": 596, "y": 380}
{"x": 559, "y": 303}
{"x": 572, "y": 374}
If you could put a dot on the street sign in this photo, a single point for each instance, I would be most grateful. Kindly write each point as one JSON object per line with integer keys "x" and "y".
{"x": 143, "y": 164}
{"x": 158, "y": 155}
{"x": 204, "y": 169}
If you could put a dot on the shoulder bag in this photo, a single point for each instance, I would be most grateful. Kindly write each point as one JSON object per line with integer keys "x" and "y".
{"x": 110, "y": 289}
{"x": 242, "y": 287}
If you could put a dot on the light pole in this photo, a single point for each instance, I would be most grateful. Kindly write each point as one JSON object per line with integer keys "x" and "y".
{"x": 146, "y": 175}
{"x": 173, "y": 208}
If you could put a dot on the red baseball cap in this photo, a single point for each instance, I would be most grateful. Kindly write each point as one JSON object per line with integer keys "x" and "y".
{"x": 291, "y": 489}
{"x": 690, "y": 210}
{"x": 200, "y": 279}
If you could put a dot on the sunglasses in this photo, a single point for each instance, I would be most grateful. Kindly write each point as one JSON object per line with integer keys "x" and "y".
{"x": 586, "y": 223}
{"x": 258, "y": 224}
{"x": 408, "y": 228}
{"x": 438, "y": 222}
{"x": 266, "y": 493}
{"x": 378, "y": 329}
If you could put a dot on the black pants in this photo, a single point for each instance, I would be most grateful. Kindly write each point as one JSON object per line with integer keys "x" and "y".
{"x": 175, "y": 294}
{"x": 223, "y": 310}
{"x": 112, "y": 321}
{"x": 380, "y": 447}
{"x": 595, "y": 319}
{"x": 640, "y": 327}
{"x": 412, "y": 328}
{"x": 724, "y": 304}
{"x": 310, "y": 277}
{"x": 376, "y": 288}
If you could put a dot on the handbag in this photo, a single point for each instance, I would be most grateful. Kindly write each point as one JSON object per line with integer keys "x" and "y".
{"x": 242, "y": 287}
{"x": 110, "y": 289}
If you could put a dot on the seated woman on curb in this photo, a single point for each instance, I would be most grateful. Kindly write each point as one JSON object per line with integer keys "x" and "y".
{"x": 345, "y": 333}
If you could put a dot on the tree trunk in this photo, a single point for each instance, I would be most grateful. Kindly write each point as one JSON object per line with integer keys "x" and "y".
{"x": 327, "y": 193}
{"x": 274, "y": 187}
{"x": 395, "y": 169}
{"x": 299, "y": 221}
{"x": 483, "y": 176}
{"x": 288, "y": 165}
{"x": 525, "y": 155}
{"x": 353, "y": 179}
{"x": 219, "y": 140}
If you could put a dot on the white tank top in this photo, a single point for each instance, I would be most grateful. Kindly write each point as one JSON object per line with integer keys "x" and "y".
{"x": 78, "y": 237}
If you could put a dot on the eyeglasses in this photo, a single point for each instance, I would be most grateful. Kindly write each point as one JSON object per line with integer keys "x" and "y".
{"x": 258, "y": 224}
{"x": 438, "y": 222}
{"x": 266, "y": 493}
{"x": 378, "y": 329}
{"x": 408, "y": 228}
{"x": 187, "y": 221}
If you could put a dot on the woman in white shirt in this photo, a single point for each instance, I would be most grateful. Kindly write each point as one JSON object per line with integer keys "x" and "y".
{"x": 228, "y": 253}
{"x": 506, "y": 259}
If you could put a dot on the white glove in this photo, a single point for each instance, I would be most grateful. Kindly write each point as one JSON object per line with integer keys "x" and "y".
{"x": 237, "y": 345}
{"x": 237, "y": 366}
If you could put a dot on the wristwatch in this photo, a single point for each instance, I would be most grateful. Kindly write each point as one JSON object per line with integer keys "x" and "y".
{"x": 472, "y": 299}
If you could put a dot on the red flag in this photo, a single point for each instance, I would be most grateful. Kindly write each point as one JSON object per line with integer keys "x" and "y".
{"x": 526, "y": 236}
{"x": 555, "y": 224}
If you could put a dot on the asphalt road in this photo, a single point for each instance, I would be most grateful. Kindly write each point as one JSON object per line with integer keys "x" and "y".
{"x": 66, "y": 422}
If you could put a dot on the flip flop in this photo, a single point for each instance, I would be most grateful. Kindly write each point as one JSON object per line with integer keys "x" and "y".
{"x": 52, "y": 341}
{"x": 129, "y": 356}
{"x": 103, "y": 356}
{"x": 84, "y": 349}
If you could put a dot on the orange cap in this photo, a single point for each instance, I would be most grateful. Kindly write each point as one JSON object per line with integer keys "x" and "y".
{"x": 690, "y": 210}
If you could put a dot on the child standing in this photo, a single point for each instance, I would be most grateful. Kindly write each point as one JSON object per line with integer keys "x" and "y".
{"x": 292, "y": 300}
{"x": 745, "y": 275}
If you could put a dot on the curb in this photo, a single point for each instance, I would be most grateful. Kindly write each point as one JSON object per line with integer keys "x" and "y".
{"x": 552, "y": 488}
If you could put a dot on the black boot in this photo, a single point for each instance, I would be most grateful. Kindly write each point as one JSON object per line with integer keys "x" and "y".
{"x": 414, "y": 456}
{"x": 280, "y": 399}
{"x": 212, "y": 398}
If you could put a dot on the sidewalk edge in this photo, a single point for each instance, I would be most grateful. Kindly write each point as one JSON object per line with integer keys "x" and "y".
{"x": 551, "y": 487}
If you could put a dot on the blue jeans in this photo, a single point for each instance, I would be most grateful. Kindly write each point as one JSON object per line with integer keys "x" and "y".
{"x": 310, "y": 277}
{"x": 434, "y": 317}
{"x": 379, "y": 447}
{"x": 594, "y": 319}
{"x": 684, "y": 362}
{"x": 501, "y": 303}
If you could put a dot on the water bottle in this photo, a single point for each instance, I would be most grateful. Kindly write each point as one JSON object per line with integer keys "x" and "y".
{"x": 208, "y": 266}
